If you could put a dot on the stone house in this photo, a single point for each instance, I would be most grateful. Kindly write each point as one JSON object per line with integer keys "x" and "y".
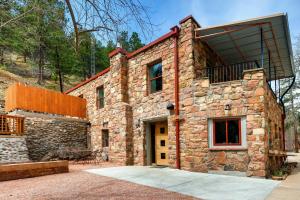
{"x": 198, "y": 99}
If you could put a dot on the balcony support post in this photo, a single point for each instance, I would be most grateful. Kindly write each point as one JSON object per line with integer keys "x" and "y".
{"x": 278, "y": 88}
{"x": 269, "y": 56}
{"x": 275, "y": 82}
{"x": 262, "y": 47}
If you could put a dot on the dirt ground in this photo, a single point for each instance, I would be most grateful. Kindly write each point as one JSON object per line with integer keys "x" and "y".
{"x": 78, "y": 184}
{"x": 289, "y": 189}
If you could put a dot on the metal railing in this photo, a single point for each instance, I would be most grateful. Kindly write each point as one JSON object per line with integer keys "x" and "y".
{"x": 226, "y": 73}
{"x": 11, "y": 125}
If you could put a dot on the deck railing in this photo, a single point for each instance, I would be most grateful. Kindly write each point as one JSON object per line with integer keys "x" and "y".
{"x": 11, "y": 125}
{"x": 227, "y": 72}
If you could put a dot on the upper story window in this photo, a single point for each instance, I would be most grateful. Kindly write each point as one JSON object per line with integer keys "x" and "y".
{"x": 155, "y": 77}
{"x": 227, "y": 132}
{"x": 100, "y": 97}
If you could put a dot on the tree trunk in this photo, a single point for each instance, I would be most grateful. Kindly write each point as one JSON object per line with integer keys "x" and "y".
{"x": 40, "y": 64}
{"x": 1, "y": 56}
{"x": 58, "y": 69}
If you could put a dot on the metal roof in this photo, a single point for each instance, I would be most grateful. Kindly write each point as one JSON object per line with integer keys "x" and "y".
{"x": 241, "y": 41}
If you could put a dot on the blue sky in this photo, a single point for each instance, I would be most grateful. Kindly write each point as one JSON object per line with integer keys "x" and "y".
{"x": 167, "y": 13}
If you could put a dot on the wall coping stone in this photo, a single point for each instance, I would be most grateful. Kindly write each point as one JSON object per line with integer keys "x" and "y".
{"x": 45, "y": 116}
{"x": 12, "y": 136}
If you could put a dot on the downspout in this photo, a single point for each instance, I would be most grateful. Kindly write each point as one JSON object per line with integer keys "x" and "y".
{"x": 283, "y": 115}
{"x": 176, "y": 86}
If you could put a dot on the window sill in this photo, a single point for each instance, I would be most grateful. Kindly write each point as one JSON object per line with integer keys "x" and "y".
{"x": 228, "y": 149}
{"x": 154, "y": 93}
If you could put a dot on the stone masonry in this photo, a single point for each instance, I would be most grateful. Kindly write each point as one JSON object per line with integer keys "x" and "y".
{"x": 46, "y": 133}
{"x": 13, "y": 149}
{"x": 129, "y": 107}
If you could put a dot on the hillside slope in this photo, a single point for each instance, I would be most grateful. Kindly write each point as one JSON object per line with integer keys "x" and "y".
{"x": 15, "y": 70}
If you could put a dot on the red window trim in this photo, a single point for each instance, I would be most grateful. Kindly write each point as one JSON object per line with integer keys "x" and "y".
{"x": 227, "y": 144}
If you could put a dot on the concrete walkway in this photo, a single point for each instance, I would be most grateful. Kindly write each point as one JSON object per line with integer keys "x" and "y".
{"x": 199, "y": 185}
{"x": 289, "y": 189}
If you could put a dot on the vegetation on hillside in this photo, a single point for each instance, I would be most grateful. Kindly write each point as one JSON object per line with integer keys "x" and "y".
{"x": 40, "y": 33}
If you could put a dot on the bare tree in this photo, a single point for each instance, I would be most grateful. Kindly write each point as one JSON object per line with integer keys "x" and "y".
{"x": 108, "y": 17}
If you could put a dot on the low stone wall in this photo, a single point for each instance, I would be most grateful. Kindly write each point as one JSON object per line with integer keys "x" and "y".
{"x": 27, "y": 170}
{"x": 47, "y": 134}
{"x": 2, "y": 105}
{"x": 13, "y": 149}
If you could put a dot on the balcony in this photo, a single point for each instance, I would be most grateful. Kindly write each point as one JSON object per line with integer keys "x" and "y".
{"x": 226, "y": 73}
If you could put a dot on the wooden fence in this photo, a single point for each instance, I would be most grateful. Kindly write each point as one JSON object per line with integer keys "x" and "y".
{"x": 11, "y": 125}
{"x": 29, "y": 98}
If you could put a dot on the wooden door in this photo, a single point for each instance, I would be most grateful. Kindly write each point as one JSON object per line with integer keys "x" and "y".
{"x": 161, "y": 143}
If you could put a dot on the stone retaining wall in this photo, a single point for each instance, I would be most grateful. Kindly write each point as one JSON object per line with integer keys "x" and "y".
{"x": 2, "y": 105}
{"x": 47, "y": 133}
{"x": 13, "y": 149}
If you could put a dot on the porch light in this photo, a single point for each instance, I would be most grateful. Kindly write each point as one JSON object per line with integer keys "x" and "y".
{"x": 137, "y": 124}
{"x": 170, "y": 106}
{"x": 89, "y": 124}
{"x": 227, "y": 106}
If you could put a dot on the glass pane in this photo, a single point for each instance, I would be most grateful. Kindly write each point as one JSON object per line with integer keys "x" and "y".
{"x": 162, "y": 130}
{"x": 162, "y": 156}
{"x": 101, "y": 103}
{"x": 220, "y": 132}
{"x": 162, "y": 143}
{"x": 101, "y": 92}
{"x": 105, "y": 138}
{"x": 155, "y": 70}
{"x": 233, "y": 131}
{"x": 156, "y": 85}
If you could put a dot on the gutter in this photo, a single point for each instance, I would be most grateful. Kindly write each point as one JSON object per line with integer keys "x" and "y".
{"x": 284, "y": 114}
{"x": 88, "y": 80}
{"x": 175, "y": 30}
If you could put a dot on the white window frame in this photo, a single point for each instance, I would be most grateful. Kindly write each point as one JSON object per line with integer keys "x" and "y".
{"x": 243, "y": 144}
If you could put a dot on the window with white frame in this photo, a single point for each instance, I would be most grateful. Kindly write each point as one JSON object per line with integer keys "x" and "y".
{"x": 227, "y": 133}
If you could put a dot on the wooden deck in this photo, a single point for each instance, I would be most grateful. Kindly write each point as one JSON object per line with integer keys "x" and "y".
{"x": 11, "y": 125}
{"x": 29, "y": 98}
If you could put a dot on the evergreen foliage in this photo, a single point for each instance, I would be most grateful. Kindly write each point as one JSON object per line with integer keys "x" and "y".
{"x": 40, "y": 34}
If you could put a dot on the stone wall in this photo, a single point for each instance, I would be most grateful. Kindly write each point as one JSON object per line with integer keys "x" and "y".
{"x": 129, "y": 107}
{"x": 47, "y": 133}
{"x": 13, "y": 149}
{"x": 2, "y": 106}
{"x": 113, "y": 117}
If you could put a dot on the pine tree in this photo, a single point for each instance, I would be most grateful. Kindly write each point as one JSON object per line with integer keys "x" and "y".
{"x": 135, "y": 42}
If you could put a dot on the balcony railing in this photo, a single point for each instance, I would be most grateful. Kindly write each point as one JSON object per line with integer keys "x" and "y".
{"x": 227, "y": 72}
{"x": 11, "y": 125}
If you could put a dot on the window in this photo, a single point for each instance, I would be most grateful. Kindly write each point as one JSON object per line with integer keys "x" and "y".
{"x": 227, "y": 132}
{"x": 81, "y": 96}
{"x": 155, "y": 77}
{"x": 100, "y": 97}
{"x": 105, "y": 138}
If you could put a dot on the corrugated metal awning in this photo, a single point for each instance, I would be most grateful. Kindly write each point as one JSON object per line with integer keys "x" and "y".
{"x": 241, "y": 42}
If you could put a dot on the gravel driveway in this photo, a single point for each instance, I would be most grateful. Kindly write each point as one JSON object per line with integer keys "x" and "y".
{"x": 80, "y": 185}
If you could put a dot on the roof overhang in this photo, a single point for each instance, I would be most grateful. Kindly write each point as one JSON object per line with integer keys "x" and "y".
{"x": 241, "y": 42}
